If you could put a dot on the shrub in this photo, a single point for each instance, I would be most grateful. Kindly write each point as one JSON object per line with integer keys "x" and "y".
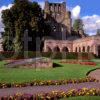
{"x": 53, "y": 55}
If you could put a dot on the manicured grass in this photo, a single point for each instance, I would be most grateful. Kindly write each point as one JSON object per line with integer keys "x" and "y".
{"x": 96, "y": 60}
{"x": 83, "y": 98}
{"x": 63, "y": 71}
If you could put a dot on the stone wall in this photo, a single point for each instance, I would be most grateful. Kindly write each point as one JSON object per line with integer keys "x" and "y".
{"x": 87, "y": 44}
{"x": 30, "y": 63}
{"x": 58, "y": 45}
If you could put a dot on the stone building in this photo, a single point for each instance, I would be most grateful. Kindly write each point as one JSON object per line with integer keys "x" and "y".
{"x": 63, "y": 37}
{"x": 89, "y": 44}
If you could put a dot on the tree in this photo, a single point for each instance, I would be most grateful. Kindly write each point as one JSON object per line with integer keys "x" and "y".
{"x": 21, "y": 16}
{"x": 78, "y": 25}
{"x": 98, "y": 32}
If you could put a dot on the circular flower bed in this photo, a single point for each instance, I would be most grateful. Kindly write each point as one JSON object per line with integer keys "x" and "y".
{"x": 48, "y": 82}
{"x": 54, "y": 95}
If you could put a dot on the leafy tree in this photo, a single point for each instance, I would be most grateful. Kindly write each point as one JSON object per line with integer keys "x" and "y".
{"x": 98, "y": 32}
{"x": 21, "y": 16}
{"x": 78, "y": 24}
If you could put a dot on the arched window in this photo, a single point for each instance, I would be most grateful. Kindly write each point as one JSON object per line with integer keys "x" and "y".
{"x": 65, "y": 49}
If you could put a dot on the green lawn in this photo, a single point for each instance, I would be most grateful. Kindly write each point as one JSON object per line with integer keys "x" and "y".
{"x": 83, "y": 98}
{"x": 64, "y": 71}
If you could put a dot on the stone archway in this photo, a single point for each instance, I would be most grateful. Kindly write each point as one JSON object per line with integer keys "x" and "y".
{"x": 88, "y": 48}
{"x": 79, "y": 49}
{"x": 83, "y": 49}
{"x": 99, "y": 51}
{"x": 49, "y": 49}
{"x": 76, "y": 50}
{"x": 56, "y": 49}
{"x": 65, "y": 49}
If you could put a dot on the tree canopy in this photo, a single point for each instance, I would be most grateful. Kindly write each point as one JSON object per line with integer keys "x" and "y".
{"x": 23, "y": 15}
{"x": 78, "y": 24}
{"x": 98, "y": 32}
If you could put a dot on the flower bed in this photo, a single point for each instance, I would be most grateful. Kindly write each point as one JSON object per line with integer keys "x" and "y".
{"x": 55, "y": 95}
{"x": 79, "y": 62}
{"x": 48, "y": 82}
{"x": 88, "y": 63}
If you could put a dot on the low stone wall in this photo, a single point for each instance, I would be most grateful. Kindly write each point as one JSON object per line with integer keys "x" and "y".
{"x": 31, "y": 63}
{"x": 39, "y": 64}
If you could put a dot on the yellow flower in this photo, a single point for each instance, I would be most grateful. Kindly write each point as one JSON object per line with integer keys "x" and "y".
{"x": 49, "y": 97}
{"x": 84, "y": 89}
{"x": 87, "y": 93}
{"x": 11, "y": 97}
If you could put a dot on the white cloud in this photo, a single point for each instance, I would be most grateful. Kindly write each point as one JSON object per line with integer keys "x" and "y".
{"x": 5, "y": 7}
{"x": 1, "y": 9}
{"x": 91, "y": 24}
{"x": 42, "y": 4}
{"x": 76, "y": 11}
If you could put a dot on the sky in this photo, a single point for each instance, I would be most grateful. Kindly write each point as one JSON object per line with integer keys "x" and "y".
{"x": 87, "y": 10}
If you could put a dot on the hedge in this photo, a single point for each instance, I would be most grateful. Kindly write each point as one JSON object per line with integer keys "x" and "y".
{"x": 54, "y": 55}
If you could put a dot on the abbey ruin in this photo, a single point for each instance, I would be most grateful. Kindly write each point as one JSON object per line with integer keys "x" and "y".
{"x": 63, "y": 37}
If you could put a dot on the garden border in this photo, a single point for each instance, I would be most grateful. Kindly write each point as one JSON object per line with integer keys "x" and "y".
{"x": 54, "y": 95}
{"x": 48, "y": 82}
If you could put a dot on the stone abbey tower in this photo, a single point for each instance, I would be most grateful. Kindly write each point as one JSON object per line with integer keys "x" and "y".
{"x": 63, "y": 37}
{"x": 60, "y": 19}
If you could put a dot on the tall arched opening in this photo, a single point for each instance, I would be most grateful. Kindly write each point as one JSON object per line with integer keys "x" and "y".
{"x": 88, "y": 49}
{"x": 65, "y": 49}
{"x": 56, "y": 49}
{"x": 83, "y": 50}
{"x": 99, "y": 51}
{"x": 49, "y": 49}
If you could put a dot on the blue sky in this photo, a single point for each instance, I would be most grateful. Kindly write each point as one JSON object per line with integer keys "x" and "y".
{"x": 88, "y": 10}
{"x": 88, "y": 7}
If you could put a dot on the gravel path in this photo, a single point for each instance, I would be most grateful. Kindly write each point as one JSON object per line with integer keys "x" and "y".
{"x": 46, "y": 89}
{"x": 95, "y": 74}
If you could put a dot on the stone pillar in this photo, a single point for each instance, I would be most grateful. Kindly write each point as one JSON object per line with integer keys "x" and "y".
{"x": 95, "y": 50}
{"x": 44, "y": 48}
{"x": 1, "y": 48}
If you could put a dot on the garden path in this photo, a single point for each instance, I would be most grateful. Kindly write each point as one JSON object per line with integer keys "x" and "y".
{"x": 95, "y": 74}
{"x": 46, "y": 89}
